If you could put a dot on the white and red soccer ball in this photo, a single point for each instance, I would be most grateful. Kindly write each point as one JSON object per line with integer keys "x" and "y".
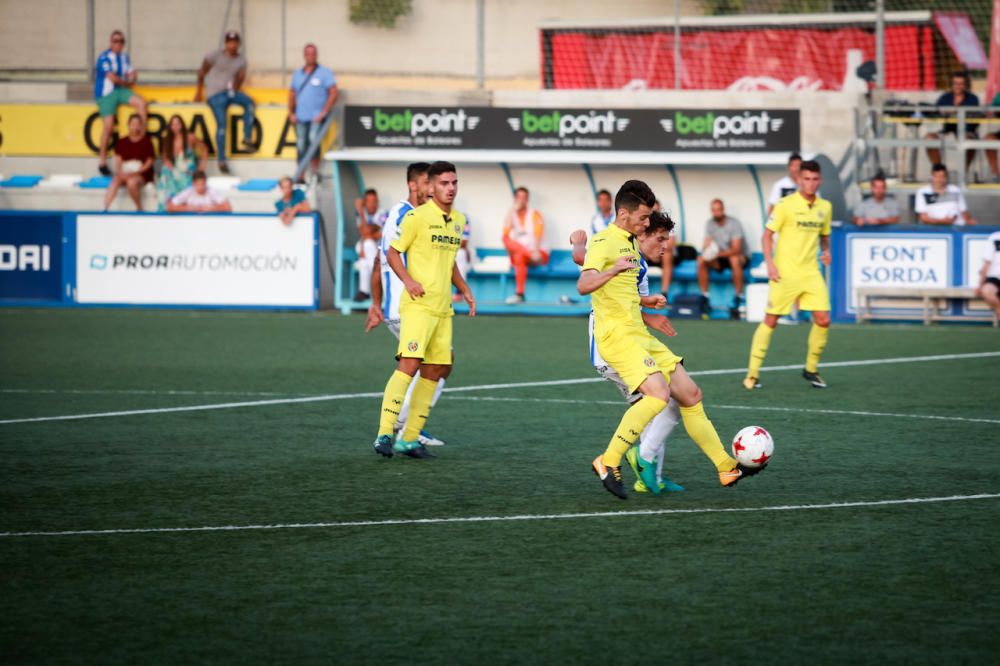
{"x": 753, "y": 446}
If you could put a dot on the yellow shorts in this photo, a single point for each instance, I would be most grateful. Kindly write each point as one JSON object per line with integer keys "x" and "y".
{"x": 810, "y": 291}
{"x": 425, "y": 336}
{"x": 636, "y": 354}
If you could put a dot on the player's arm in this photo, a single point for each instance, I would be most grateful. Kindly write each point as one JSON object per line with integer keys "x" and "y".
{"x": 658, "y": 322}
{"x": 375, "y": 316}
{"x": 413, "y": 288}
{"x": 940, "y": 221}
{"x": 767, "y": 247}
{"x": 463, "y": 288}
{"x": 824, "y": 247}
{"x": 578, "y": 241}
{"x": 199, "y": 91}
{"x": 591, "y": 279}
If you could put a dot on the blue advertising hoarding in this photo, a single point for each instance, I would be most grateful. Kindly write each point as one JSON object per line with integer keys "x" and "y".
{"x": 32, "y": 256}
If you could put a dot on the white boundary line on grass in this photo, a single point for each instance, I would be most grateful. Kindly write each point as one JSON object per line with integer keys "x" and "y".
{"x": 502, "y": 519}
{"x": 756, "y": 408}
{"x": 480, "y": 387}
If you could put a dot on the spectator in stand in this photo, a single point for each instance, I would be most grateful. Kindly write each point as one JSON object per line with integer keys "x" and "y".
{"x": 989, "y": 274}
{"x": 604, "y": 215}
{"x": 113, "y": 79}
{"x": 787, "y": 184}
{"x": 199, "y": 198}
{"x": 879, "y": 207}
{"x": 941, "y": 203}
{"x": 522, "y": 236}
{"x": 959, "y": 95}
{"x": 310, "y": 100}
{"x": 292, "y": 202}
{"x": 181, "y": 154}
{"x": 134, "y": 157}
{"x": 371, "y": 219}
{"x": 220, "y": 80}
{"x": 724, "y": 247}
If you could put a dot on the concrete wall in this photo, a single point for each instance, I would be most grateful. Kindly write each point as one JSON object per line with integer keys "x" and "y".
{"x": 437, "y": 38}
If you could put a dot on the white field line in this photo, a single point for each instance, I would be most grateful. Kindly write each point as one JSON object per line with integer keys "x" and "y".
{"x": 144, "y": 392}
{"x": 502, "y": 519}
{"x": 479, "y": 387}
{"x": 755, "y": 408}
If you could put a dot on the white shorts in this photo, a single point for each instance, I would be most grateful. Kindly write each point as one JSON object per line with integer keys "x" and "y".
{"x": 393, "y": 326}
{"x": 610, "y": 374}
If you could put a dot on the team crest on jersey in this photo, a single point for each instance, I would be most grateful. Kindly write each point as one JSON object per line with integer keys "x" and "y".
{"x": 413, "y": 346}
{"x": 458, "y": 228}
{"x": 649, "y": 362}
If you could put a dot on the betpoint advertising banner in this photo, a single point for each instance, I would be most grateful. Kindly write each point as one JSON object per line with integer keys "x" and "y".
{"x": 221, "y": 260}
{"x": 31, "y": 257}
{"x": 667, "y": 130}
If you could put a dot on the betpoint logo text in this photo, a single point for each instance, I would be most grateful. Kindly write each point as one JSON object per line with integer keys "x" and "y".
{"x": 565, "y": 124}
{"x": 25, "y": 257}
{"x": 723, "y": 125}
{"x": 414, "y": 124}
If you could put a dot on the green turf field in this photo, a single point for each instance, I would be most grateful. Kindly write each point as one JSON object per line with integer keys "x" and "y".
{"x": 345, "y": 573}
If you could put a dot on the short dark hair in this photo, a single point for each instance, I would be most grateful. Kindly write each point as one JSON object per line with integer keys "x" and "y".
{"x": 117, "y": 33}
{"x": 601, "y": 193}
{"x": 371, "y": 191}
{"x": 659, "y": 221}
{"x": 810, "y": 165}
{"x": 440, "y": 167}
{"x": 793, "y": 157}
{"x": 880, "y": 175}
{"x": 522, "y": 188}
{"x": 415, "y": 169}
{"x": 198, "y": 175}
{"x": 964, "y": 75}
{"x": 632, "y": 194}
{"x": 939, "y": 167}
{"x": 135, "y": 116}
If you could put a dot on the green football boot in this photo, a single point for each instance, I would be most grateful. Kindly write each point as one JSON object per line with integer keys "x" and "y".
{"x": 645, "y": 470}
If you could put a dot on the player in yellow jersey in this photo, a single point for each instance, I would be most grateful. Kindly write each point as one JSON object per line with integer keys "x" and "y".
{"x": 423, "y": 256}
{"x": 802, "y": 222}
{"x": 644, "y": 364}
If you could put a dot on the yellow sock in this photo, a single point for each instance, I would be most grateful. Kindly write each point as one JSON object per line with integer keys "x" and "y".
{"x": 817, "y": 343}
{"x": 392, "y": 400}
{"x": 701, "y": 430}
{"x": 758, "y": 349}
{"x": 633, "y": 422}
{"x": 420, "y": 408}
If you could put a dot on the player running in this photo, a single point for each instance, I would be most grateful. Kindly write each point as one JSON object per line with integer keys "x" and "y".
{"x": 429, "y": 237}
{"x": 385, "y": 305}
{"x": 802, "y": 222}
{"x": 646, "y": 460}
{"x": 644, "y": 364}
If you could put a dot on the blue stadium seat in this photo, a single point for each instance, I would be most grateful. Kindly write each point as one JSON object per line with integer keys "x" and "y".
{"x": 258, "y": 185}
{"x": 95, "y": 183}
{"x": 24, "y": 180}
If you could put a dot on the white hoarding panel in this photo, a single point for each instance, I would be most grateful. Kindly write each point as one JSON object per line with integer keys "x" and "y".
{"x": 888, "y": 260}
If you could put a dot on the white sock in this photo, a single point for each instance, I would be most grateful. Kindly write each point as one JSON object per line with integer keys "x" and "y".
{"x": 437, "y": 392}
{"x": 653, "y": 440}
{"x": 404, "y": 411}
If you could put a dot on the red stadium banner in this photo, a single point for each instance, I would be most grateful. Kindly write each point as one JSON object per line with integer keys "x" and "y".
{"x": 767, "y": 58}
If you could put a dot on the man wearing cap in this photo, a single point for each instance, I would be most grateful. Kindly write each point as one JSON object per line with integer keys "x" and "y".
{"x": 219, "y": 81}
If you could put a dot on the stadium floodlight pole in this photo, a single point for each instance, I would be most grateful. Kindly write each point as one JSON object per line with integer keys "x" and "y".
{"x": 880, "y": 44}
{"x": 91, "y": 56}
{"x": 677, "y": 44}
{"x": 480, "y": 44}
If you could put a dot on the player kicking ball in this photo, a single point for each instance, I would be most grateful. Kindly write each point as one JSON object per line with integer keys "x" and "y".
{"x": 385, "y": 304}
{"x": 644, "y": 364}
{"x": 802, "y": 222}
{"x": 646, "y": 460}
{"x": 429, "y": 236}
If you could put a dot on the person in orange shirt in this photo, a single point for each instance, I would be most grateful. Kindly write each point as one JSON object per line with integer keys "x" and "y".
{"x": 522, "y": 236}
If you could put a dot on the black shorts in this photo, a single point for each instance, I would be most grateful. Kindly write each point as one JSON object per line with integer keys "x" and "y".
{"x": 722, "y": 265}
{"x": 993, "y": 281}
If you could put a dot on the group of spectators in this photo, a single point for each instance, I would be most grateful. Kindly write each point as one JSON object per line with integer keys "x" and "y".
{"x": 181, "y": 181}
{"x": 959, "y": 95}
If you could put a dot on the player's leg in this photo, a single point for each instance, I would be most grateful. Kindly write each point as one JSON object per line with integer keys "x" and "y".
{"x": 652, "y": 447}
{"x": 219, "y": 103}
{"x": 107, "y": 123}
{"x": 816, "y": 299}
{"x": 991, "y": 294}
{"x": 414, "y": 331}
{"x": 700, "y": 428}
{"x": 519, "y": 259}
{"x": 134, "y": 183}
{"x": 244, "y": 101}
{"x": 703, "y": 268}
{"x": 436, "y": 363}
{"x": 365, "y": 267}
{"x": 780, "y": 297}
{"x": 139, "y": 104}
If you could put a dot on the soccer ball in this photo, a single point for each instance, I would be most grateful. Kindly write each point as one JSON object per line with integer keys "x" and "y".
{"x": 753, "y": 446}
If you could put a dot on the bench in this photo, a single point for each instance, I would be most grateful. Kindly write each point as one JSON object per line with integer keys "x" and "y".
{"x": 932, "y": 298}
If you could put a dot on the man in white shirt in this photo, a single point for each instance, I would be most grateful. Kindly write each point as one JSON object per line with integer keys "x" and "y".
{"x": 199, "y": 198}
{"x": 989, "y": 275}
{"x": 371, "y": 219}
{"x": 604, "y": 216}
{"x": 788, "y": 184}
{"x": 941, "y": 203}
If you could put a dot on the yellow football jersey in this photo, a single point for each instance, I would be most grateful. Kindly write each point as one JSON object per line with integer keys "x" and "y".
{"x": 429, "y": 239}
{"x": 799, "y": 224}
{"x": 617, "y": 302}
